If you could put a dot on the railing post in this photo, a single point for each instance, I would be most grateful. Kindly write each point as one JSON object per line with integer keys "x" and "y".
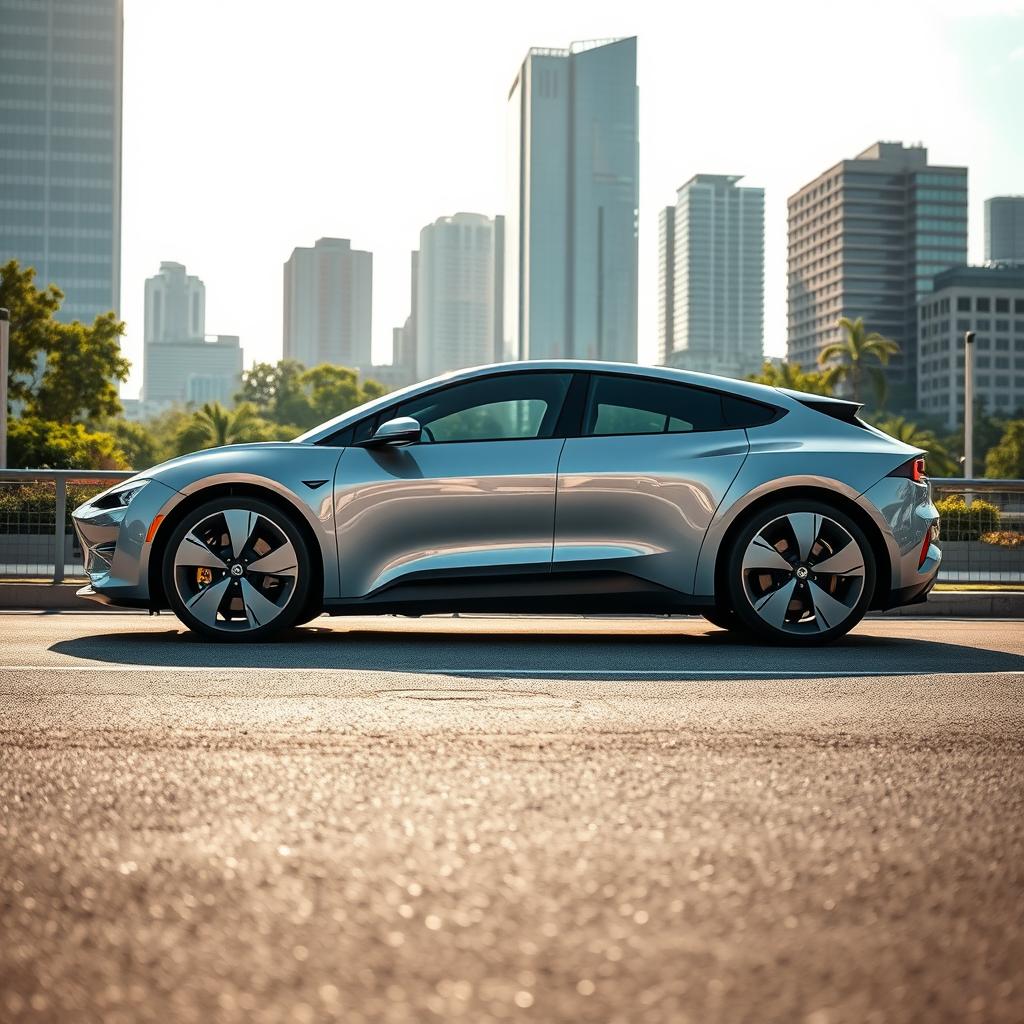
{"x": 59, "y": 514}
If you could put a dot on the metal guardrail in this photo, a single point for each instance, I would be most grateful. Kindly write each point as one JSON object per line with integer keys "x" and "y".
{"x": 36, "y": 536}
{"x": 37, "y": 540}
{"x": 982, "y": 538}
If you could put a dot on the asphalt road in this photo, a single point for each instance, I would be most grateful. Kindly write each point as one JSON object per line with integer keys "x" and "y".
{"x": 564, "y": 820}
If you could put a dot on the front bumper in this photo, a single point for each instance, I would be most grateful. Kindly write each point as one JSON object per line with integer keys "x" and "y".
{"x": 115, "y": 548}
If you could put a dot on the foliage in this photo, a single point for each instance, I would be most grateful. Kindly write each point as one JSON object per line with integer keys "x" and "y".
{"x": 213, "y": 426}
{"x": 142, "y": 444}
{"x": 289, "y": 395}
{"x": 963, "y": 522}
{"x": 33, "y": 443}
{"x": 1004, "y": 538}
{"x": 796, "y": 378}
{"x": 28, "y": 508}
{"x": 1006, "y": 460}
{"x": 852, "y": 357}
{"x": 941, "y": 461}
{"x": 59, "y": 371}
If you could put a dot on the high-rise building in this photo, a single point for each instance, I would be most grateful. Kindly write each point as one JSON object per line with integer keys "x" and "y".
{"x": 60, "y": 148}
{"x": 181, "y": 364}
{"x": 989, "y": 301}
{"x": 328, "y": 295}
{"x": 571, "y": 233}
{"x": 175, "y": 305}
{"x": 866, "y": 238}
{"x": 711, "y": 277}
{"x": 458, "y": 292}
{"x": 1004, "y": 230}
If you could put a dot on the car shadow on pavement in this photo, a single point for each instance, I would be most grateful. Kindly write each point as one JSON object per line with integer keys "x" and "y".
{"x": 565, "y": 653}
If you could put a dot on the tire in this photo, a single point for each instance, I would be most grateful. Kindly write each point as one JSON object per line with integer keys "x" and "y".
{"x": 254, "y": 594}
{"x": 800, "y": 572}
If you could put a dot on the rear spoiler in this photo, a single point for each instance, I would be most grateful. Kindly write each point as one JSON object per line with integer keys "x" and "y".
{"x": 837, "y": 408}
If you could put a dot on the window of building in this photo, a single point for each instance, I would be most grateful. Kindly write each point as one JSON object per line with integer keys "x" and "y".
{"x": 963, "y": 325}
{"x": 1002, "y": 344}
{"x": 983, "y": 362}
{"x": 1002, "y": 305}
{"x": 982, "y": 342}
{"x": 1018, "y": 305}
{"x": 1002, "y": 362}
{"x": 1002, "y": 325}
{"x": 982, "y": 304}
{"x": 963, "y": 304}
{"x": 982, "y": 323}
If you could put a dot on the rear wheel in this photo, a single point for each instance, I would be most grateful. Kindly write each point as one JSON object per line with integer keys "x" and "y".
{"x": 238, "y": 569}
{"x": 801, "y": 572}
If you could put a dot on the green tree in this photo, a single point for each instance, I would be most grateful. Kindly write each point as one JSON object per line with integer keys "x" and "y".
{"x": 1006, "y": 460}
{"x": 941, "y": 461}
{"x": 794, "y": 377}
{"x": 32, "y": 324}
{"x": 33, "y": 443}
{"x": 288, "y": 394}
{"x": 142, "y": 445}
{"x": 852, "y": 358}
{"x": 213, "y": 426}
{"x": 79, "y": 362}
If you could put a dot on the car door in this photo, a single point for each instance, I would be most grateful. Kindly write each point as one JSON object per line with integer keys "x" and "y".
{"x": 476, "y": 496}
{"x": 638, "y": 489}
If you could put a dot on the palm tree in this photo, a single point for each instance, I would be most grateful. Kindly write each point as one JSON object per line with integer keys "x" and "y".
{"x": 855, "y": 352}
{"x": 213, "y": 426}
{"x": 795, "y": 377}
{"x": 941, "y": 462}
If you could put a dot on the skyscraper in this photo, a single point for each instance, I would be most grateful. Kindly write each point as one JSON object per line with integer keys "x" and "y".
{"x": 175, "y": 305}
{"x": 458, "y": 293}
{"x": 328, "y": 295}
{"x": 711, "y": 277}
{"x": 180, "y": 363}
{"x": 571, "y": 234}
{"x": 60, "y": 148}
{"x": 866, "y": 238}
{"x": 1004, "y": 230}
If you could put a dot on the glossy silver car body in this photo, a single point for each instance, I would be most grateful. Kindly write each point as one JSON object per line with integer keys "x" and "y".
{"x": 560, "y": 523}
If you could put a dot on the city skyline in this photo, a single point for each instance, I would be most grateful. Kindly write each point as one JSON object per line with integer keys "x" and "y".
{"x": 239, "y": 213}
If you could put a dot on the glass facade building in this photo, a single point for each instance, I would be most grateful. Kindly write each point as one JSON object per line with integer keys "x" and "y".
{"x": 571, "y": 226}
{"x": 60, "y": 147}
{"x": 711, "y": 277}
{"x": 458, "y": 293}
{"x": 866, "y": 239}
{"x": 1004, "y": 230}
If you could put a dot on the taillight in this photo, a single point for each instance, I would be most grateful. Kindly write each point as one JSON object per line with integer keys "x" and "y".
{"x": 924, "y": 547}
{"x": 912, "y": 469}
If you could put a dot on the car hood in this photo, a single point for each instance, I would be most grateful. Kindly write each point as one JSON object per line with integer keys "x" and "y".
{"x": 225, "y": 459}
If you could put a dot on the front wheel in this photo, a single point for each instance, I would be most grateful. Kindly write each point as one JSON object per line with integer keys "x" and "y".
{"x": 801, "y": 572}
{"x": 238, "y": 569}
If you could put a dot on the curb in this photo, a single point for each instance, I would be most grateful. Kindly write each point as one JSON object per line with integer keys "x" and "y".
{"x": 956, "y": 604}
{"x": 964, "y": 604}
{"x": 40, "y": 596}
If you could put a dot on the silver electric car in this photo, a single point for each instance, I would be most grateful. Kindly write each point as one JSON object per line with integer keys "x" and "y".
{"x": 533, "y": 487}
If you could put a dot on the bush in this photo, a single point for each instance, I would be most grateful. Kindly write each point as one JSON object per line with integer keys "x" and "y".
{"x": 29, "y": 507}
{"x": 1004, "y": 538}
{"x": 46, "y": 444}
{"x": 960, "y": 522}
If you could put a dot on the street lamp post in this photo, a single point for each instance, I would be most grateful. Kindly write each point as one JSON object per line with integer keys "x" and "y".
{"x": 968, "y": 405}
{"x": 5, "y": 337}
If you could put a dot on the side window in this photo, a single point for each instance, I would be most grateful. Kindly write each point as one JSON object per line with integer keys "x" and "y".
{"x": 630, "y": 405}
{"x": 516, "y": 405}
{"x": 742, "y": 412}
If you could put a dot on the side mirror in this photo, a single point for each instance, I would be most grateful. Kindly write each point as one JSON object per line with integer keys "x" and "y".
{"x": 403, "y": 430}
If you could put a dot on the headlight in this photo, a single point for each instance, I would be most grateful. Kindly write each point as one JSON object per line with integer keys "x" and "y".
{"x": 119, "y": 497}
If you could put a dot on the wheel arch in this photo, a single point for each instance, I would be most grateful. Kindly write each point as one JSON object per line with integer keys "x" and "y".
{"x": 840, "y": 501}
{"x": 239, "y": 489}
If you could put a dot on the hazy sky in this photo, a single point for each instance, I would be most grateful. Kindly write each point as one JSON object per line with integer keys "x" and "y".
{"x": 252, "y": 127}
